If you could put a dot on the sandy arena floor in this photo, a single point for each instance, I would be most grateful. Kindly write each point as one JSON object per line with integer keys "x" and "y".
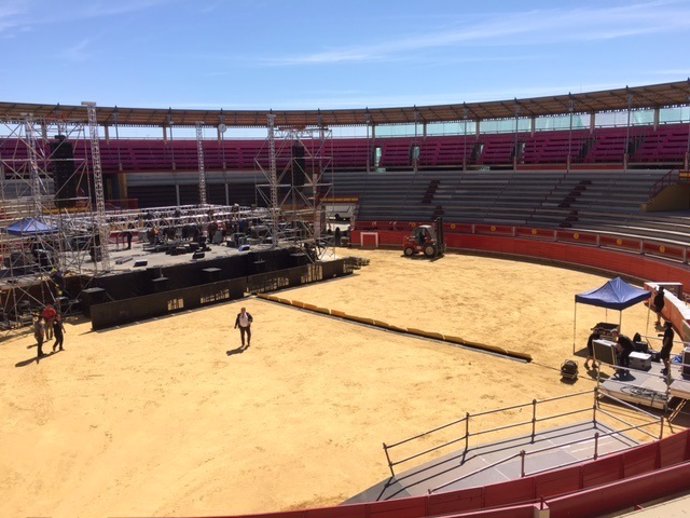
{"x": 158, "y": 419}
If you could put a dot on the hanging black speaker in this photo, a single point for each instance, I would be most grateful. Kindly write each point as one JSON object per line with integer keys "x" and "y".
{"x": 64, "y": 179}
{"x": 298, "y": 167}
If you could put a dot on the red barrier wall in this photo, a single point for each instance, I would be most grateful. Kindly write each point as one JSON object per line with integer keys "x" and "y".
{"x": 611, "y": 483}
{"x": 501, "y": 241}
{"x": 622, "y": 494}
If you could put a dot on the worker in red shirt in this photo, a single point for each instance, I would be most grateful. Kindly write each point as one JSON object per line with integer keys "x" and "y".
{"x": 49, "y": 313}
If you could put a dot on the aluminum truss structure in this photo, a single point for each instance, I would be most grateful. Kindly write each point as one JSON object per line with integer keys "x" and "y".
{"x": 202, "y": 167}
{"x": 103, "y": 231}
{"x": 45, "y": 235}
{"x": 295, "y": 163}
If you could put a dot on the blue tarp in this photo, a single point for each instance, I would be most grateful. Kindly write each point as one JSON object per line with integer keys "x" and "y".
{"x": 615, "y": 294}
{"x": 29, "y": 227}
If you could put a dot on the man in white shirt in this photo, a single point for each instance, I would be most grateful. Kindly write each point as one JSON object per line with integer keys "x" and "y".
{"x": 244, "y": 321}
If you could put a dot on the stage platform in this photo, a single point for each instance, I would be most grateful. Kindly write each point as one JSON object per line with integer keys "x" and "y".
{"x": 647, "y": 388}
{"x": 122, "y": 260}
{"x": 474, "y": 465}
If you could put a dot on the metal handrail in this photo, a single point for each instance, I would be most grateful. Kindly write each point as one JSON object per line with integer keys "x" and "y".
{"x": 534, "y": 404}
{"x": 669, "y": 178}
{"x": 524, "y": 454}
{"x": 467, "y": 433}
{"x": 416, "y": 455}
{"x": 630, "y": 424}
{"x": 564, "y": 414}
{"x": 477, "y": 471}
{"x": 501, "y": 428}
{"x": 426, "y": 433}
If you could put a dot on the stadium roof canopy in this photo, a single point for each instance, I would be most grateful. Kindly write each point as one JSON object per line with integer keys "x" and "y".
{"x": 638, "y": 97}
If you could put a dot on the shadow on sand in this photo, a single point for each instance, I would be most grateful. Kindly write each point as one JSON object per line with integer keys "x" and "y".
{"x": 239, "y": 350}
{"x": 33, "y": 359}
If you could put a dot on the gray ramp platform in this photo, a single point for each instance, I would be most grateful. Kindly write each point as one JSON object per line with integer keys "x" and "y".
{"x": 646, "y": 388}
{"x": 475, "y": 468}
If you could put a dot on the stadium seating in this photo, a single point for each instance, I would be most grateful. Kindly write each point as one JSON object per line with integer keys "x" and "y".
{"x": 545, "y": 197}
{"x": 602, "y": 201}
{"x": 665, "y": 146}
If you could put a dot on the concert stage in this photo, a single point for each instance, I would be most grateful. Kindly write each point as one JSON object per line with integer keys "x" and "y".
{"x": 146, "y": 282}
{"x": 169, "y": 284}
{"x": 123, "y": 260}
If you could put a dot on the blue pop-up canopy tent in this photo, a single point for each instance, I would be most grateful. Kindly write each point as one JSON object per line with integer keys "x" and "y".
{"x": 30, "y": 227}
{"x": 615, "y": 294}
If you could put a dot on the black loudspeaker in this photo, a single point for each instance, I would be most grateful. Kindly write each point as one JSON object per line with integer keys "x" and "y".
{"x": 210, "y": 275}
{"x": 142, "y": 262}
{"x": 198, "y": 255}
{"x": 298, "y": 170}
{"x": 91, "y": 296}
{"x": 685, "y": 371}
{"x": 64, "y": 179}
{"x": 160, "y": 284}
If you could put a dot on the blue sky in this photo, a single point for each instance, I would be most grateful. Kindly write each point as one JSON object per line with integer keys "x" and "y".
{"x": 246, "y": 54}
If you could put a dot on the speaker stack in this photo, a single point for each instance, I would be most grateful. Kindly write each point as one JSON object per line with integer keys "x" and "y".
{"x": 298, "y": 166}
{"x": 65, "y": 181}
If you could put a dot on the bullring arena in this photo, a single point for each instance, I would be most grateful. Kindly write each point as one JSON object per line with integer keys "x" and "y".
{"x": 157, "y": 412}
{"x": 154, "y": 409}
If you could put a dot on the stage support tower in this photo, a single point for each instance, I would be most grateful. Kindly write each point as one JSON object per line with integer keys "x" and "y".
{"x": 293, "y": 162}
{"x": 272, "y": 177}
{"x": 202, "y": 168}
{"x": 33, "y": 168}
{"x": 101, "y": 220}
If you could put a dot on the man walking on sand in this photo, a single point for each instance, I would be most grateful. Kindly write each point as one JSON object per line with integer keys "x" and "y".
{"x": 244, "y": 321}
{"x": 39, "y": 333}
{"x": 59, "y": 332}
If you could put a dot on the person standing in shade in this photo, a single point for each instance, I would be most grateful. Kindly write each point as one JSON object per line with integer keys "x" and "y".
{"x": 659, "y": 301}
{"x": 49, "y": 314}
{"x": 244, "y": 322}
{"x": 625, "y": 347}
{"x": 39, "y": 333}
{"x": 128, "y": 236}
{"x": 666, "y": 346}
{"x": 590, "y": 349}
{"x": 59, "y": 331}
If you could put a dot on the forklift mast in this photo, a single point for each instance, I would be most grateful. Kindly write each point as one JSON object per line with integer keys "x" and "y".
{"x": 441, "y": 240}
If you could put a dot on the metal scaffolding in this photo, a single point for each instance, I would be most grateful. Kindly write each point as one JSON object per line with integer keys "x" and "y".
{"x": 101, "y": 223}
{"x": 48, "y": 232}
{"x": 57, "y": 226}
{"x": 200, "y": 158}
{"x": 295, "y": 162}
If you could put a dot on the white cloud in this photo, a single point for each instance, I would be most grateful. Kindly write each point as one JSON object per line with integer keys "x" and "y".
{"x": 11, "y": 12}
{"x": 77, "y": 52}
{"x": 535, "y": 27}
{"x": 21, "y": 14}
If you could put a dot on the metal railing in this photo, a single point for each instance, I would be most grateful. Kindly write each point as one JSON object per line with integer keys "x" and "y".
{"x": 464, "y": 423}
{"x": 524, "y": 454}
{"x": 670, "y": 178}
